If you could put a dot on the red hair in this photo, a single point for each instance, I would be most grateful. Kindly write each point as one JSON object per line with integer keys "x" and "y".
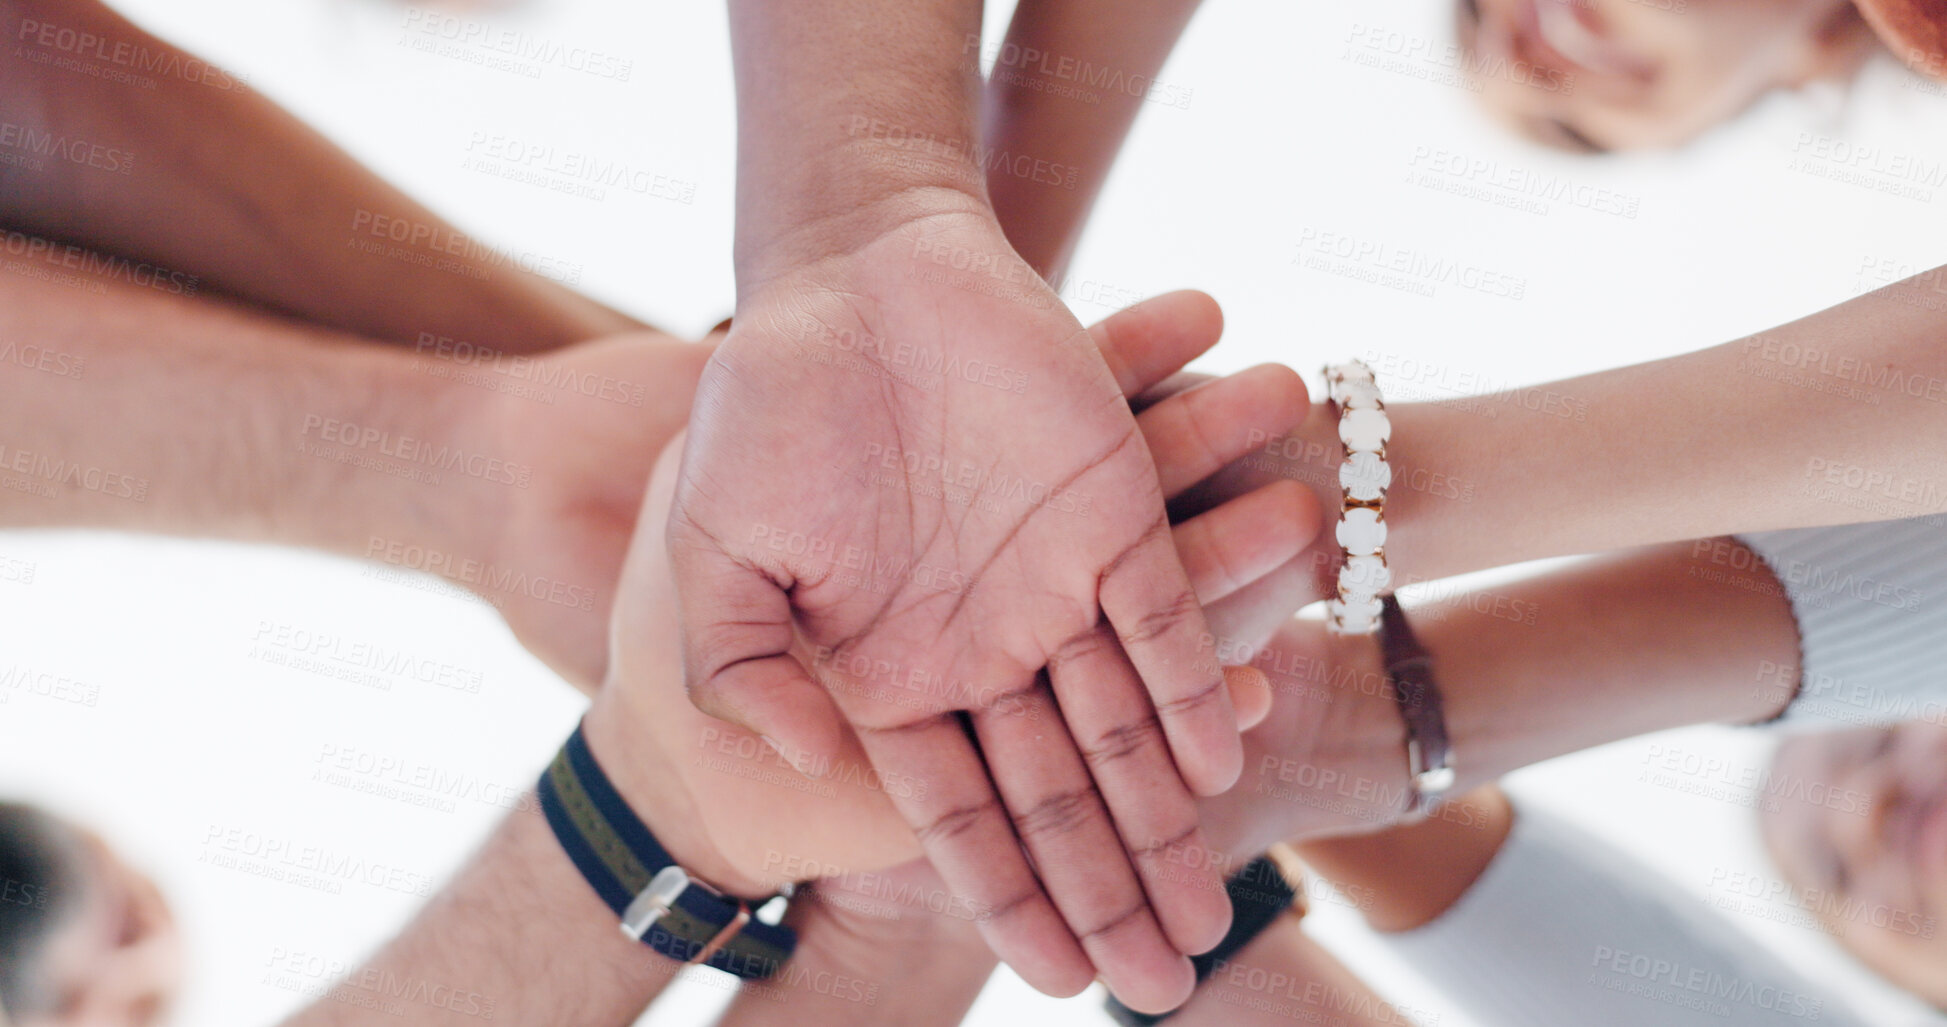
{"x": 1915, "y": 30}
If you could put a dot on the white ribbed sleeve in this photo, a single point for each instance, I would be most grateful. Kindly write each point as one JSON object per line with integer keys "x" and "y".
{"x": 1562, "y": 930}
{"x": 1871, "y": 603}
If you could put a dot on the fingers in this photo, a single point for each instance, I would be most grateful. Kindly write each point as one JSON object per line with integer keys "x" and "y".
{"x": 1194, "y": 433}
{"x": 1246, "y": 539}
{"x": 1148, "y": 600}
{"x": 1152, "y": 340}
{"x": 969, "y": 838}
{"x": 1062, "y": 823}
{"x": 1151, "y": 601}
{"x": 1122, "y": 744}
{"x": 737, "y": 633}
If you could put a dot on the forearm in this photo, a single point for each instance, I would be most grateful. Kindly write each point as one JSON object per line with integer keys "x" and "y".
{"x": 128, "y": 408}
{"x": 1729, "y": 439}
{"x": 1747, "y": 436}
{"x": 517, "y": 937}
{"x": 1415, "y": 872}
{"x": 209, "y": 179}
{"x": 1067, "y": 83}
{"x": 1606, "y": 649}
{"x": 853, "y": 116}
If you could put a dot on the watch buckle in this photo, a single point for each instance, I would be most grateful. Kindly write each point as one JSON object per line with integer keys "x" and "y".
{"x": 657, "y": 899}
{"x": 662, "y": 894}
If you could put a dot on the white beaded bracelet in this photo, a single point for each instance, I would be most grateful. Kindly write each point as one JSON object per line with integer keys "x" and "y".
{"x": 1363, "y": 479}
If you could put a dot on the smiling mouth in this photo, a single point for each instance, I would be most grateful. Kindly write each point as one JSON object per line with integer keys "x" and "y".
{"x": 1569, "y": 37}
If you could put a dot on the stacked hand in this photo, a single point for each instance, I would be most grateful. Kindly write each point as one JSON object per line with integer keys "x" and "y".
{"x": 754, "y": 832}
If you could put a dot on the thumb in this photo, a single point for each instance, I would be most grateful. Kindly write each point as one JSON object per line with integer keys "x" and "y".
{"x": 737, "y": 659}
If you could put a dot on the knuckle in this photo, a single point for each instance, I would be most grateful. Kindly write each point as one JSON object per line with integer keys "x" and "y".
{"x": 1132, "y": 916}
{"x": 1058, "y": 815}
{"x": 1202, "y": 697}
{"x": 956, "y": 822}
{"x": 1087, "y": 645}
{"x": 1123, "y": 741}
{"x": 1179, "y": 613}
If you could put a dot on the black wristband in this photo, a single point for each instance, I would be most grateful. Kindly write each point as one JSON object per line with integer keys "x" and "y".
{"x": 1258, "y": 894}
{"x": 659, "y": 903}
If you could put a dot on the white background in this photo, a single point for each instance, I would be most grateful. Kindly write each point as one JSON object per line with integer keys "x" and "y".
{"x": 1284, "y": 135}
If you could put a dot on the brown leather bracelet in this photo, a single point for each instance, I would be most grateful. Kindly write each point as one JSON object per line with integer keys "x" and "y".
{"x": 1409, "y": 672}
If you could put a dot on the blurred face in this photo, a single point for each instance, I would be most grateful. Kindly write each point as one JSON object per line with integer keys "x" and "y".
{"x": 115, "y": 960}
{"x": 1598, "y": 75}
{"x": 1872, "y": 843}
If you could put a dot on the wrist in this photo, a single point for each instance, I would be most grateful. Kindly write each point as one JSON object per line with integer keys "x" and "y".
{"x": 1331, "y": 758}
{"x": 870, "y": 208}
{"x": 654, "y": 789}
{"x": 394, "y": 461}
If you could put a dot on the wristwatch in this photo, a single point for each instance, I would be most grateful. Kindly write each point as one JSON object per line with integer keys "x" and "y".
{"x": 660, "y": 904}
{"x": 1409, "y": 672}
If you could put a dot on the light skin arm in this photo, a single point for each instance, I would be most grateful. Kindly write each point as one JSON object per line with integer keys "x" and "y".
{"x": 1606, "y": 649}
{"x": 125, "y": 407}
{"x": 204, "y": 177}
{"x": 1416, "y": 872}
{"x": 1783, "y": 429}
{"x": 518, "y": 936}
